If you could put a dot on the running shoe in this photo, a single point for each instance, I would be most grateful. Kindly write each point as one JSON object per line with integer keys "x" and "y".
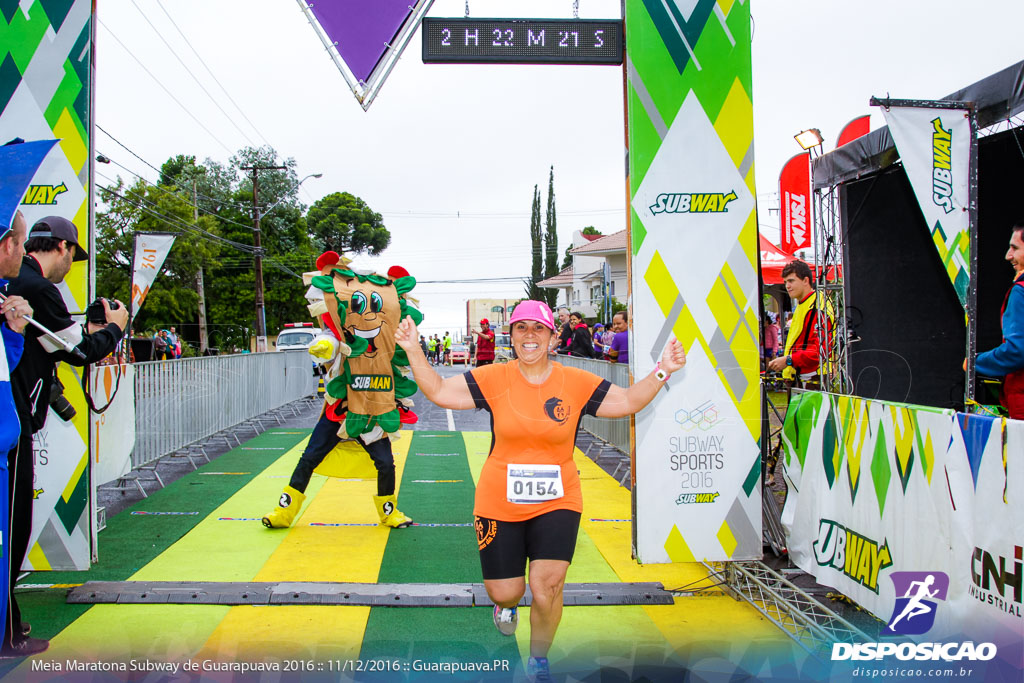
{"x": 506, "y": 619}
{"x": 538, "y": 671}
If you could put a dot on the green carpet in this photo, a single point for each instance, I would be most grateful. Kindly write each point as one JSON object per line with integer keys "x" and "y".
{"x": 423, "y": 554}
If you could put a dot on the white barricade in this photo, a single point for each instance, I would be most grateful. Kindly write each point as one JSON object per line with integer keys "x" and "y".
{"x": 178, "y": 402}
{"x": 613, "y": 430}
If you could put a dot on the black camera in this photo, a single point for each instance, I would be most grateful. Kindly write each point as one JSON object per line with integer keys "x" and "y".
{"x": 95, "y": 314}
{"x": 58, "y": 402}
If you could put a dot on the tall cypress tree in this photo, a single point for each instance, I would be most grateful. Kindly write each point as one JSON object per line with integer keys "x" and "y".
{"x": 537, "y": 251}
{"x": 551, "y": 242}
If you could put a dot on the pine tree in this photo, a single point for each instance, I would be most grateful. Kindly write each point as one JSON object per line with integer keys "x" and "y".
{"x": 551, "y": 242}
{"x": 536, "y": 273}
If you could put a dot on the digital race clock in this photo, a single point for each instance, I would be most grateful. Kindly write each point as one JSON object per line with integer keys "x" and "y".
{"x": 523, "y": 41}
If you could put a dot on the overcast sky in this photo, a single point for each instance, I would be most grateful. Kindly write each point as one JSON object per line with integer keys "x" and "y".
{"x": 450, "y": 154}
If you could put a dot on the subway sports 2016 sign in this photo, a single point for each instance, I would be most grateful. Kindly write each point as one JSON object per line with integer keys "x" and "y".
{"x": 693, "y": 240}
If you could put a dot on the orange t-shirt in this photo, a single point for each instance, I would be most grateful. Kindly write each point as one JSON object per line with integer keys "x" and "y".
{"x": 532, "y": 424}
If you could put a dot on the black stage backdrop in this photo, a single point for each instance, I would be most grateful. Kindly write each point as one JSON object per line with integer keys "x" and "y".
{"x": 1000, "y": 205}
{"x": 900, "y": 300}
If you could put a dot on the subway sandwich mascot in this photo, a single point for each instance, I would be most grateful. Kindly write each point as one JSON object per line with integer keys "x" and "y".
{"x": 367, "y": 392}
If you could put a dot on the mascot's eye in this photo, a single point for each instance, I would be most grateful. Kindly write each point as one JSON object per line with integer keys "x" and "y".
{"x": 358, "y": 303}
{"x": 376, "y": 302}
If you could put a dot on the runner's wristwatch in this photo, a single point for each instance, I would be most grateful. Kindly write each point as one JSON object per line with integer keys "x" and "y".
{"x": 660, "y": 374}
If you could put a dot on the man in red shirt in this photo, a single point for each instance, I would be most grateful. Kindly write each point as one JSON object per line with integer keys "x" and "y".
{"x": 484, "y": 344}
{"x": 800, "y": 363}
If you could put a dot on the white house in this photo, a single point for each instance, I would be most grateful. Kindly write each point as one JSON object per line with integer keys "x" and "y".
{"x": 594, "y": 258}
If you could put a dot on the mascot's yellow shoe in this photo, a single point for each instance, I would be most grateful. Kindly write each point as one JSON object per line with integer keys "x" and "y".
{"x": 289, "y": 506}
{"x": 390, "y": 515}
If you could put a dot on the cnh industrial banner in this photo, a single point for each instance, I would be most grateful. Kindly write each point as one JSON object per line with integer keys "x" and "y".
{"x": 46, "y": 93}
{"x": 879, "y": 492}
{"x": 935, "y": 147}
{"x": 694, "y": 246}
{"x": 795, "y": 203}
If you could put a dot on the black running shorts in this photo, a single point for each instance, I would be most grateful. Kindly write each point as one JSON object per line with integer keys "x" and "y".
{"x": 506, "y": 546}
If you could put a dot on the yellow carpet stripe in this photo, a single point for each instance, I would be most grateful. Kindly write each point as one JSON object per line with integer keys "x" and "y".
{"x": 710, "y": 618}
{"x": 478, "y": 445}
{"x": 316, "y": 553}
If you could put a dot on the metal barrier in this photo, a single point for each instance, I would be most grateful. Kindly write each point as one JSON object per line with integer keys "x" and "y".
{"x": 178, "y": 402}
{"x": 613, "y": 430}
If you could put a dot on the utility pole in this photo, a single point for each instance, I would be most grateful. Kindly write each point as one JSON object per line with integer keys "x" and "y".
{"x": 261, "y": 319}
{"x": 204, "y": 343}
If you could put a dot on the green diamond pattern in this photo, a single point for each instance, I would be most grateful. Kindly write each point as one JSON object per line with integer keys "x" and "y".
{"x": 881, "y": 470}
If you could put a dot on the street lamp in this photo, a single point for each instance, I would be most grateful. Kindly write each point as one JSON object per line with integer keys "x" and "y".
{"x": 261, "y": 320}
{"x": 295, "y": 186}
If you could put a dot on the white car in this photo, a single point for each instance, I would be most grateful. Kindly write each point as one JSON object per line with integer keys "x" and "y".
{"x": 295, "y": 336}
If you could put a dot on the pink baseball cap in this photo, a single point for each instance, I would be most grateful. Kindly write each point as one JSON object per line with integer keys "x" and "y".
{"x": 533, "y": 310}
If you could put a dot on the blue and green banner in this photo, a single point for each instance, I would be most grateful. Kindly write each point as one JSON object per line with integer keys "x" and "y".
{"x": 694, "y": 245}
{"x": 46, "y": 77}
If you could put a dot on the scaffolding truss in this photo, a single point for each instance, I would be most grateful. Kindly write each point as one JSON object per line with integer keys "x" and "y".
{"x": 813, "y": 626}
{"x": 834, "y": 348}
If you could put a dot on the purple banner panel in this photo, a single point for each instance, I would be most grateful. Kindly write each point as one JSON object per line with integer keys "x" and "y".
{"x": 361, "y": 29}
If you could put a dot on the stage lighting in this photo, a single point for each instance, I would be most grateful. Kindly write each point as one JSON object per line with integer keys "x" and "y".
{"x": 809, "y": 138}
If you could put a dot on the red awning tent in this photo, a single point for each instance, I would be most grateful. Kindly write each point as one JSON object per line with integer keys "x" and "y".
{"x": 773, "y": 260}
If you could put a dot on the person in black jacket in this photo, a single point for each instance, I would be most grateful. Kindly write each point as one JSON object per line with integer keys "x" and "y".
{"x": 51, "y": 248}
{"x": 581, "y": 344}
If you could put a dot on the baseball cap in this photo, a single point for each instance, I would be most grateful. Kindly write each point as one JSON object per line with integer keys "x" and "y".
{"x": 533, "y": 310}
{"x": 59, "y": 228}
{"x": 485, "y": 321}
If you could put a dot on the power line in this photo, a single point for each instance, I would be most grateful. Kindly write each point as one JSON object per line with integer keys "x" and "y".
{"x": 169, "y": 93}
{"x": 174, "y": 221}
{"x": 183, "y": 198}
{"x": 199, "y": 232}
{"x": 125, "y": 147}
{"x": 495, "y": 214}
{"x": 214, "y": 77}
{"x": 185, "y": 66}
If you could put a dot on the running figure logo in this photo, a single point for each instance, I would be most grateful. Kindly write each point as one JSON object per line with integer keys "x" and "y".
{"x": 917, "y": 595}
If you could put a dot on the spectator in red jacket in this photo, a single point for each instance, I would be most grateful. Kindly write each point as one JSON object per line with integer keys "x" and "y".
{"x": 484, "y": 343}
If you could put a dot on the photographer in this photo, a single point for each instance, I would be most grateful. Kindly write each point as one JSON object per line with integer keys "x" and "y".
{"x": 51, "y": 248}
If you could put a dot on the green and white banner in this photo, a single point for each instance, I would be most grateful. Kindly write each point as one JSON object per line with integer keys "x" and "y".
{"x": 877, "y": 488}
{"x": 935, "y": 148}
{"x": 46, "y": 93}
{"x": 694, "y": 246}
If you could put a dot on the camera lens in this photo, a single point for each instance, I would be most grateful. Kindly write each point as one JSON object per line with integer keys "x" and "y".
{"x": 60, "y": 404}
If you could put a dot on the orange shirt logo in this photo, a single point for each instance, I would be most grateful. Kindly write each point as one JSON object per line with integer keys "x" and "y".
{"x": 556, "y": 409}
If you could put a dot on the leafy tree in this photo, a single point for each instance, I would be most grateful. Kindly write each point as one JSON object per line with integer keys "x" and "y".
{"x": 551, "y": 241}
{"x": 210, "y": 204}
{"x": 288, "y": 251}
{"x": 147, "y": 208}
{"x": 344, "y": 223}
